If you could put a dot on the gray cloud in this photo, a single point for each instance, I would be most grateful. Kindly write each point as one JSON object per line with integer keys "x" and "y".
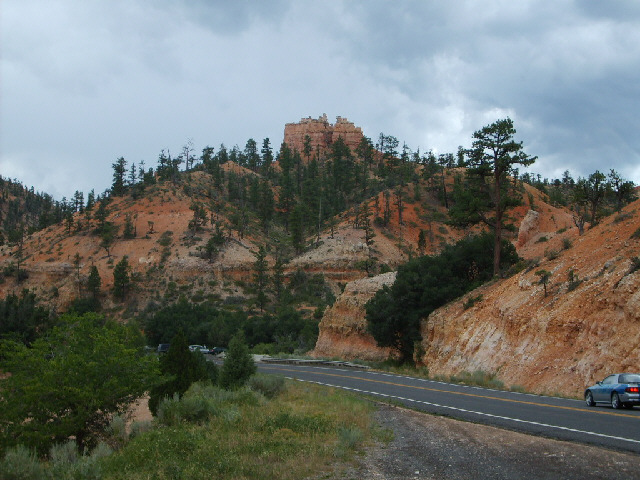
{"x": 86, "y": 82}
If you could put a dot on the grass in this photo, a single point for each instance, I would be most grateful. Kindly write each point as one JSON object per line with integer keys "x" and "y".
{"x": 306, "y": 430}
{"x": 300, "y": 431}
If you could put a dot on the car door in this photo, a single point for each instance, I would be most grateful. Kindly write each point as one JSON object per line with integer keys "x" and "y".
{"x": 603, "y": 392}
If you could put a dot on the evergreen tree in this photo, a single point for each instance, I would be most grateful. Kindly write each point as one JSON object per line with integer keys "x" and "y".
{"x": 180, "y": 368}
{"x": 238, "y": 365}
{"x": 623, "y": 191}
{"x": 267, "y": 157}
{"x": 298, "y": 227}
{"x": 266, "y": 206}
{"x": 119, "y": 171}
{"x": 426, "y": 283}
{"x": 277, "y": 280}
{"x": 261, "y": 278}
{"x": 253, "y": 157}
{"x": 488, "y": 194}
{"x": 121, "y": 278}
{"x": 422, "y": 242}
{"x": 94, "y": 282}
{"x": 592, "y": 191}
{"x": 129, "y": 228}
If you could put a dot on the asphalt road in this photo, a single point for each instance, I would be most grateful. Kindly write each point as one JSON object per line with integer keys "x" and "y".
{"x": 558, "y": 418}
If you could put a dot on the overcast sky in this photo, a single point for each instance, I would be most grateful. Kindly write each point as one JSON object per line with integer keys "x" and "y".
{"x": 84, "y": 82}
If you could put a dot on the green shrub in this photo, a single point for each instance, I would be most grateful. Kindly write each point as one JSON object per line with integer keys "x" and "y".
{"x": 542, "y": 239}
{"x": 552, "y": 254}
{"x": 349, "y": 438}
{"x": 573, "y": 279}
{"x": 479, "y": 378}
{"x": 238, "y": 365}
{"x": 21, "y": 463}
{"x": 197, "y": 409}
{"x": 268, "y": 385}
{"x": 65, "y": 463}
{"x": 621, "y": 217}
{"x": 168, "y": 411}
{"x": 140, "y": 427}
{"x": 471, "y": 301}
{"x": 566, "y": 243}
{"x": 117, "y": 431}
{"x": 636, "y": 234}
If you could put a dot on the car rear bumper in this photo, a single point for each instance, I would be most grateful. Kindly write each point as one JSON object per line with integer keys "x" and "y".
{"x": 630, "y": 398}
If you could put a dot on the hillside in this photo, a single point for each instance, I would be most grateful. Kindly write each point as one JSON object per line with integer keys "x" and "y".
{"x": 348, "y": 222}
{"x": 588, "y": 324}
{"x": 166, "y": 255}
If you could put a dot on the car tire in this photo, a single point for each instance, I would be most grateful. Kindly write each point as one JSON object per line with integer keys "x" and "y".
{"x": 615, "y": 401}
{"x": 588, "y": 399}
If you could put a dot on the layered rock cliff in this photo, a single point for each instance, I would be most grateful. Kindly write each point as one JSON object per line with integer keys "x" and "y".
{"x": 586, "y": 326}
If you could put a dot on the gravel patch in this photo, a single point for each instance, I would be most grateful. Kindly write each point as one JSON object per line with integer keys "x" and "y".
{"x": 429, "y": 447}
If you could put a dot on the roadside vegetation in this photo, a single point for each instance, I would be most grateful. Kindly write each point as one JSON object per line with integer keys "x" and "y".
{"x": 269, "y": 429}
{"x": 64, "y": 402}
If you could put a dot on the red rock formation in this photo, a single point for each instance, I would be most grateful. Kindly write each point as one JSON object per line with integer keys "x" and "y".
{"x": 577, "y": 333}
{"x": 322, "y": 133}
{"x": 343, "y": 330}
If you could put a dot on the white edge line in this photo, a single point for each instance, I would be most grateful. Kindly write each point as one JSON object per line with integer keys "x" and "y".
{"x": 517, "y": 420}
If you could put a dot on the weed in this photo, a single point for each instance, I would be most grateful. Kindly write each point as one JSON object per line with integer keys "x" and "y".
{"x": 349, "y": 438}
{"x": 573, "y": 279}
{"x": 551, "y": 254}
{"x": 479, "y": 378}
{"x": 471, "y": 301}
{"x": 621, "y": 217}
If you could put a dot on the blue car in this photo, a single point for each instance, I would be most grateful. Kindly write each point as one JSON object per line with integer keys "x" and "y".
{"x": 618, "y": 390}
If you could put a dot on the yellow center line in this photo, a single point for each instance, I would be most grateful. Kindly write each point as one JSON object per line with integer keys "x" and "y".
{"x": 475, "y": 395}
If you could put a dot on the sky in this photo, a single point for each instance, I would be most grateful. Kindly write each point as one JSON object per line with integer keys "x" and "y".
{"x": 84, "y": 82}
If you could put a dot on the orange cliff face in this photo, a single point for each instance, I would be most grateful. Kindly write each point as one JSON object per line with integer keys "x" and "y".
{"x": 578, "y": 333}
{"x": 322, "y": 134}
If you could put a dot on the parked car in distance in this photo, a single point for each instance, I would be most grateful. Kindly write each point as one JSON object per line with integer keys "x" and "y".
{"x": 163, "y": 347}
{"x": 198, "y": 348}
{"x": 618, "y": 390}
{"x": 217, "y": 350}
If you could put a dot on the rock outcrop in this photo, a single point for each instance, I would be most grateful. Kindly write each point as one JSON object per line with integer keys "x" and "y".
{"x": 343, "y": 329}
{"x": 322, "y": 134}
{"x": 585, "y": 327}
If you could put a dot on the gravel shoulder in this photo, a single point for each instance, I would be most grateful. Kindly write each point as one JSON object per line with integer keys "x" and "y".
{"x": 429, "y": 447}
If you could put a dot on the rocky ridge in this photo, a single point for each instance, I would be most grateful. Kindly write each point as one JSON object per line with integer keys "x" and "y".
{"x": 322, "y": 133}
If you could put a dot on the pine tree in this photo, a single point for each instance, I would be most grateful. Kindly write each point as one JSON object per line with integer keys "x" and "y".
{"x": 238, "y": 365}
{"x": 261, "y": 278}
{"x": 94, "y": 281}
{"x": 181, "y": 368}
{"x": 119, "y": 171}
{"x": 488, "y": 194}
{"x": 121, "y": 278}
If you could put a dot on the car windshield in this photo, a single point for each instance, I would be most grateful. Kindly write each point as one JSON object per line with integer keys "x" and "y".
{"x": 630, "y": 378}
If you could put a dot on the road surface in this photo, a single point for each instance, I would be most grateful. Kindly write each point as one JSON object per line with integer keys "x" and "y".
{"x": 558, "y": 418}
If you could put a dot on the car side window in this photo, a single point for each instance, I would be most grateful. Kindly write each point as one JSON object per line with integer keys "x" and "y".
{"x": 609, "y": 380}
